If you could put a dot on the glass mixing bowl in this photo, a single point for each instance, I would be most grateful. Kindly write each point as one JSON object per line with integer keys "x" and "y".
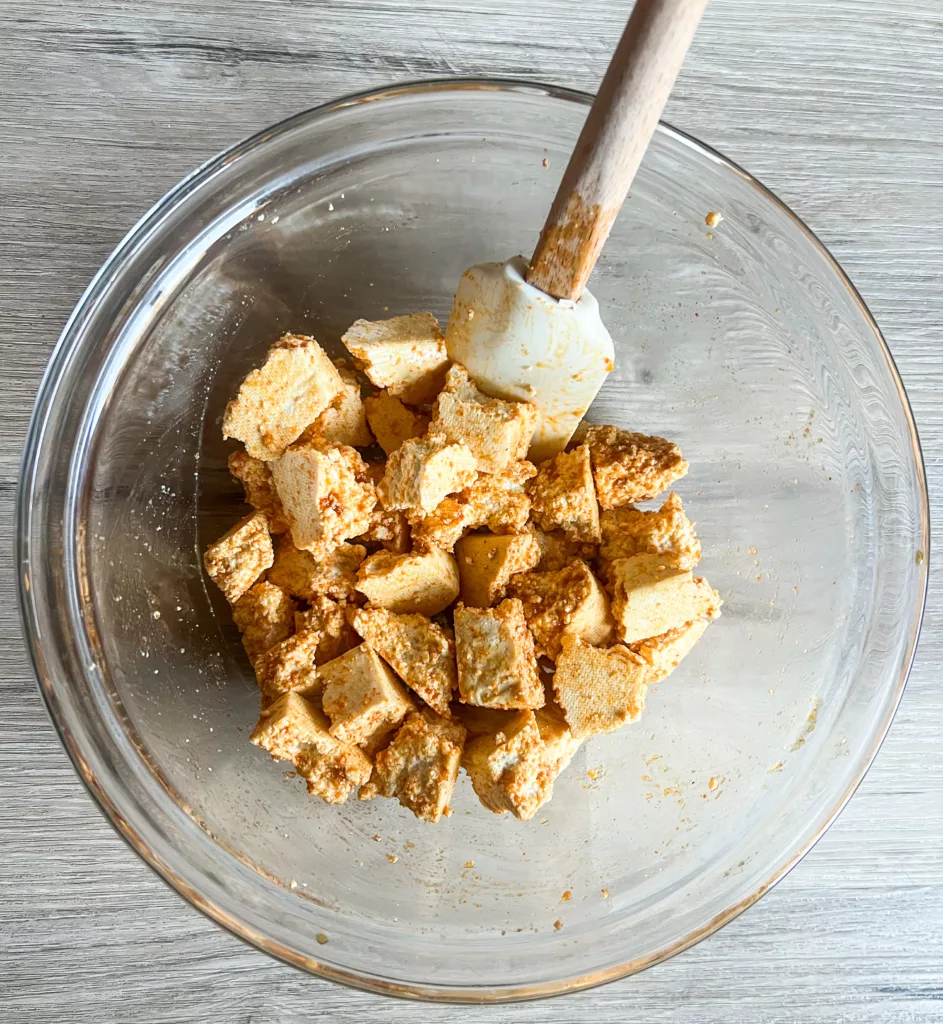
{"x": 745, "y": 344}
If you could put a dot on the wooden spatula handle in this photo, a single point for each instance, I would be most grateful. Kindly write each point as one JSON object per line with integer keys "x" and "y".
{"x": 618, "y": 129}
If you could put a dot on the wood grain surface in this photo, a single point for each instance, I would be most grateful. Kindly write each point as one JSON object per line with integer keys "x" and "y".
{"x": 105, "y": 104}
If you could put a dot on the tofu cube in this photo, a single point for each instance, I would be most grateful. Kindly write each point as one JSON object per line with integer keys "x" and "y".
{"x": 256, "y": 479}
{"x": 392, "y": 422}
{"x": 331, "y": 575}
{"x": 664, "y": 653}
{"x": 344, "y": 421}
{"x": 599, "y": 689}
{"x": 423, "y": 582}
{"x": 422, "y": 471}
{"x": 495, "y": 500}
{"x": 497, "y": 666}
{"x": 421, "y": 652}
{"x": 487, "y": 562}
{"x": 265, "y": 615}
{"x": 286, "y": 725}
{"x": 289, "y": 666}
{"x": 333, "y": 773}
{"x": 275, "y": 403}
{"x": 570, "y": 600}
{"x": 507, "y": 768}
{"x": 496, "y": 431}
{"x": 631, "y": 467}
{"x": 650, "y": 596}
{"x": 326, "y": 494}
{"x": 628, "y": 531}
{"x": 444, "y": 527}
{"x": 361, "y": 696}
{"x": 293, "y": 729}
{"x": 329, "y": 619}
{"x": 499, "y": 500}
{"x": 563, "y": 496}
{"x": 420, "y": 766}
{"x": 240, "y": 556}
{"x": 405, "y": 354}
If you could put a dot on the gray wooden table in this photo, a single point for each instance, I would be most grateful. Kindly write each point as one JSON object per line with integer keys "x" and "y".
{"x": 104, "y": 105}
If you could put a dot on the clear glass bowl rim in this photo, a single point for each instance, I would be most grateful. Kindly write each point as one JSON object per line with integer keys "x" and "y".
{"x": 61, "y": 355}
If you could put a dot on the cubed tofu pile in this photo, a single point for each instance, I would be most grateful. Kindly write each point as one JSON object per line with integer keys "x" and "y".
{"x": 416, "y": 597}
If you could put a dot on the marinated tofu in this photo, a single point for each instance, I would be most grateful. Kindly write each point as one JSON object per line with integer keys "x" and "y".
{"x": 256, "y": 479}
{"x": 265, "y": 615}
{"x": 507, "y": 769}
{"x": 344, "y": 421}
{"x": 628, "y": 531}
{"x": 446, "y": 604}
{"x": 330, "y": 619}
{"x": 497, "y": 665}
{"x": 570, "y": 600}
{"x": 422, "y": 472}
{"x": 487, "y": 562}
{"x": 293, "y": 729}
{"x": 599, "y": 689}
{"x": 651, "y": 596}
{"x": 289, "y": 666}
{"x": 563, "y": 496}
{"x": 332, "y": 575}
{"x": 240, "y": 556}
{"x": 405, "y": 354}
{"x": 424, "y": 581}
{"x": 420, "y": 651}
{"x": 361, "y": 696}
{"x": 392, "y": 421}
{"x": 326, "y": 493}
{"x": 277, "y": 401}
{"x": 420, "y": 766}
{"x": 629, "y": 467}
{"x": 497, "y": 432}
{"x": 665, "y": 653}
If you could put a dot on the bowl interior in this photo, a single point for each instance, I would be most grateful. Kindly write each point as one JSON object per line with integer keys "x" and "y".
{"x": 744, "y": 344}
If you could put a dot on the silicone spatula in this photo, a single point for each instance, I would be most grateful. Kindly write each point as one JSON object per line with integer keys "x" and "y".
{"x": 533, "y": 332}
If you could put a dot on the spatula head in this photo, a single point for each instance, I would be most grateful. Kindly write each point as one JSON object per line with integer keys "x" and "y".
{"x": 517, "y": 342}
